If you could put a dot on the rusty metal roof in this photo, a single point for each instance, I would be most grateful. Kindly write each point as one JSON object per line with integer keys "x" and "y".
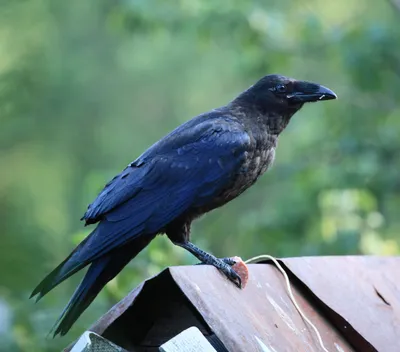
{"x": 353, "y": 301}
{"x": 359, "y": 292}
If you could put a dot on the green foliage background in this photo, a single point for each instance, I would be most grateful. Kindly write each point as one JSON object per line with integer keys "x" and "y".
{"x": 86, "y": 86}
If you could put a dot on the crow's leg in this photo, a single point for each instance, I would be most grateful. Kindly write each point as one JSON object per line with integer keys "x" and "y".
{"x": 226, "y": 260}
{"x": 223, "y": 265}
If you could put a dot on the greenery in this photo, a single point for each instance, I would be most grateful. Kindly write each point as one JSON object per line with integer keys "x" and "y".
{"x": 86, "y": 86}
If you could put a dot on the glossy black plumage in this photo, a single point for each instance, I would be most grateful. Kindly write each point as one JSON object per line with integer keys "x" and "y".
{"x": 201, "y": 165}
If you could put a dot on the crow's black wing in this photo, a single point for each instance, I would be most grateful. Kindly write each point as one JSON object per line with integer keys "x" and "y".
{"x": 186, "y": 169}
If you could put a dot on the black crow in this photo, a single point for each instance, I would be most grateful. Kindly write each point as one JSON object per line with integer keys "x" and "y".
{"x": 200, "y": 166}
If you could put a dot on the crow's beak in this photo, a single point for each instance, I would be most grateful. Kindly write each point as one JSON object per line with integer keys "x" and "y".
{"x": 306, "y": 92}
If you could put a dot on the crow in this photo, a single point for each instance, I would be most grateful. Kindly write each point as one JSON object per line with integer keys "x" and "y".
{"x": 201, "y": 165}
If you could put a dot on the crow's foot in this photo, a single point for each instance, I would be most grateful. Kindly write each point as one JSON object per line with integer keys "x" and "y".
{"x": 226, "y": 260}
{"x": 224, "y": 265}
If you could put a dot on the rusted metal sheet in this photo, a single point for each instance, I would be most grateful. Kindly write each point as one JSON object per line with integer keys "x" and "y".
{"x": 260, "y": 316}
{"x": 363, "y": 290}
{"x": 353, "y": 302}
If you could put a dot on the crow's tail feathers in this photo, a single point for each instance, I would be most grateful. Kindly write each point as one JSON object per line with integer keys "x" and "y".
{"x": 100, "y": 272}
{"x": 62, "y": 272}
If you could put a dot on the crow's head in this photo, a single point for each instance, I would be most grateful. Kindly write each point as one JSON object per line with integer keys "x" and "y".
{"x": 280, "y": 94}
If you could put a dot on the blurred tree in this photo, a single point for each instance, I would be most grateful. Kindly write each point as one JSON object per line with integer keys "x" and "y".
{"x": 86, "y": 86}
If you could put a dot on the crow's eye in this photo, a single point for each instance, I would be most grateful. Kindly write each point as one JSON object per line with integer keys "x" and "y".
{"x": 281, "y": 88}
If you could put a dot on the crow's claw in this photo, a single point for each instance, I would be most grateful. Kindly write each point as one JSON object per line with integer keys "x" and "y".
{"x": 224, "y": 265}
{"x": 229, "y": 261}
{"x": 231, "y": 274}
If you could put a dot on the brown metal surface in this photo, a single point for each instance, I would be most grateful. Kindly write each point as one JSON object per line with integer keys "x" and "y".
{"x": 353, "y": 301}
{"x": 363, "y": 290}
{"x": 259, "y": 318}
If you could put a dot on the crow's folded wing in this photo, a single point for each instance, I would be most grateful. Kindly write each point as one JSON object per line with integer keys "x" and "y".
{"x": 165, "y": 182}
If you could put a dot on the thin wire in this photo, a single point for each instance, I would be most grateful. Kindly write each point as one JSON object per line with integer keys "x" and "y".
{"x": 289, "y": 288}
